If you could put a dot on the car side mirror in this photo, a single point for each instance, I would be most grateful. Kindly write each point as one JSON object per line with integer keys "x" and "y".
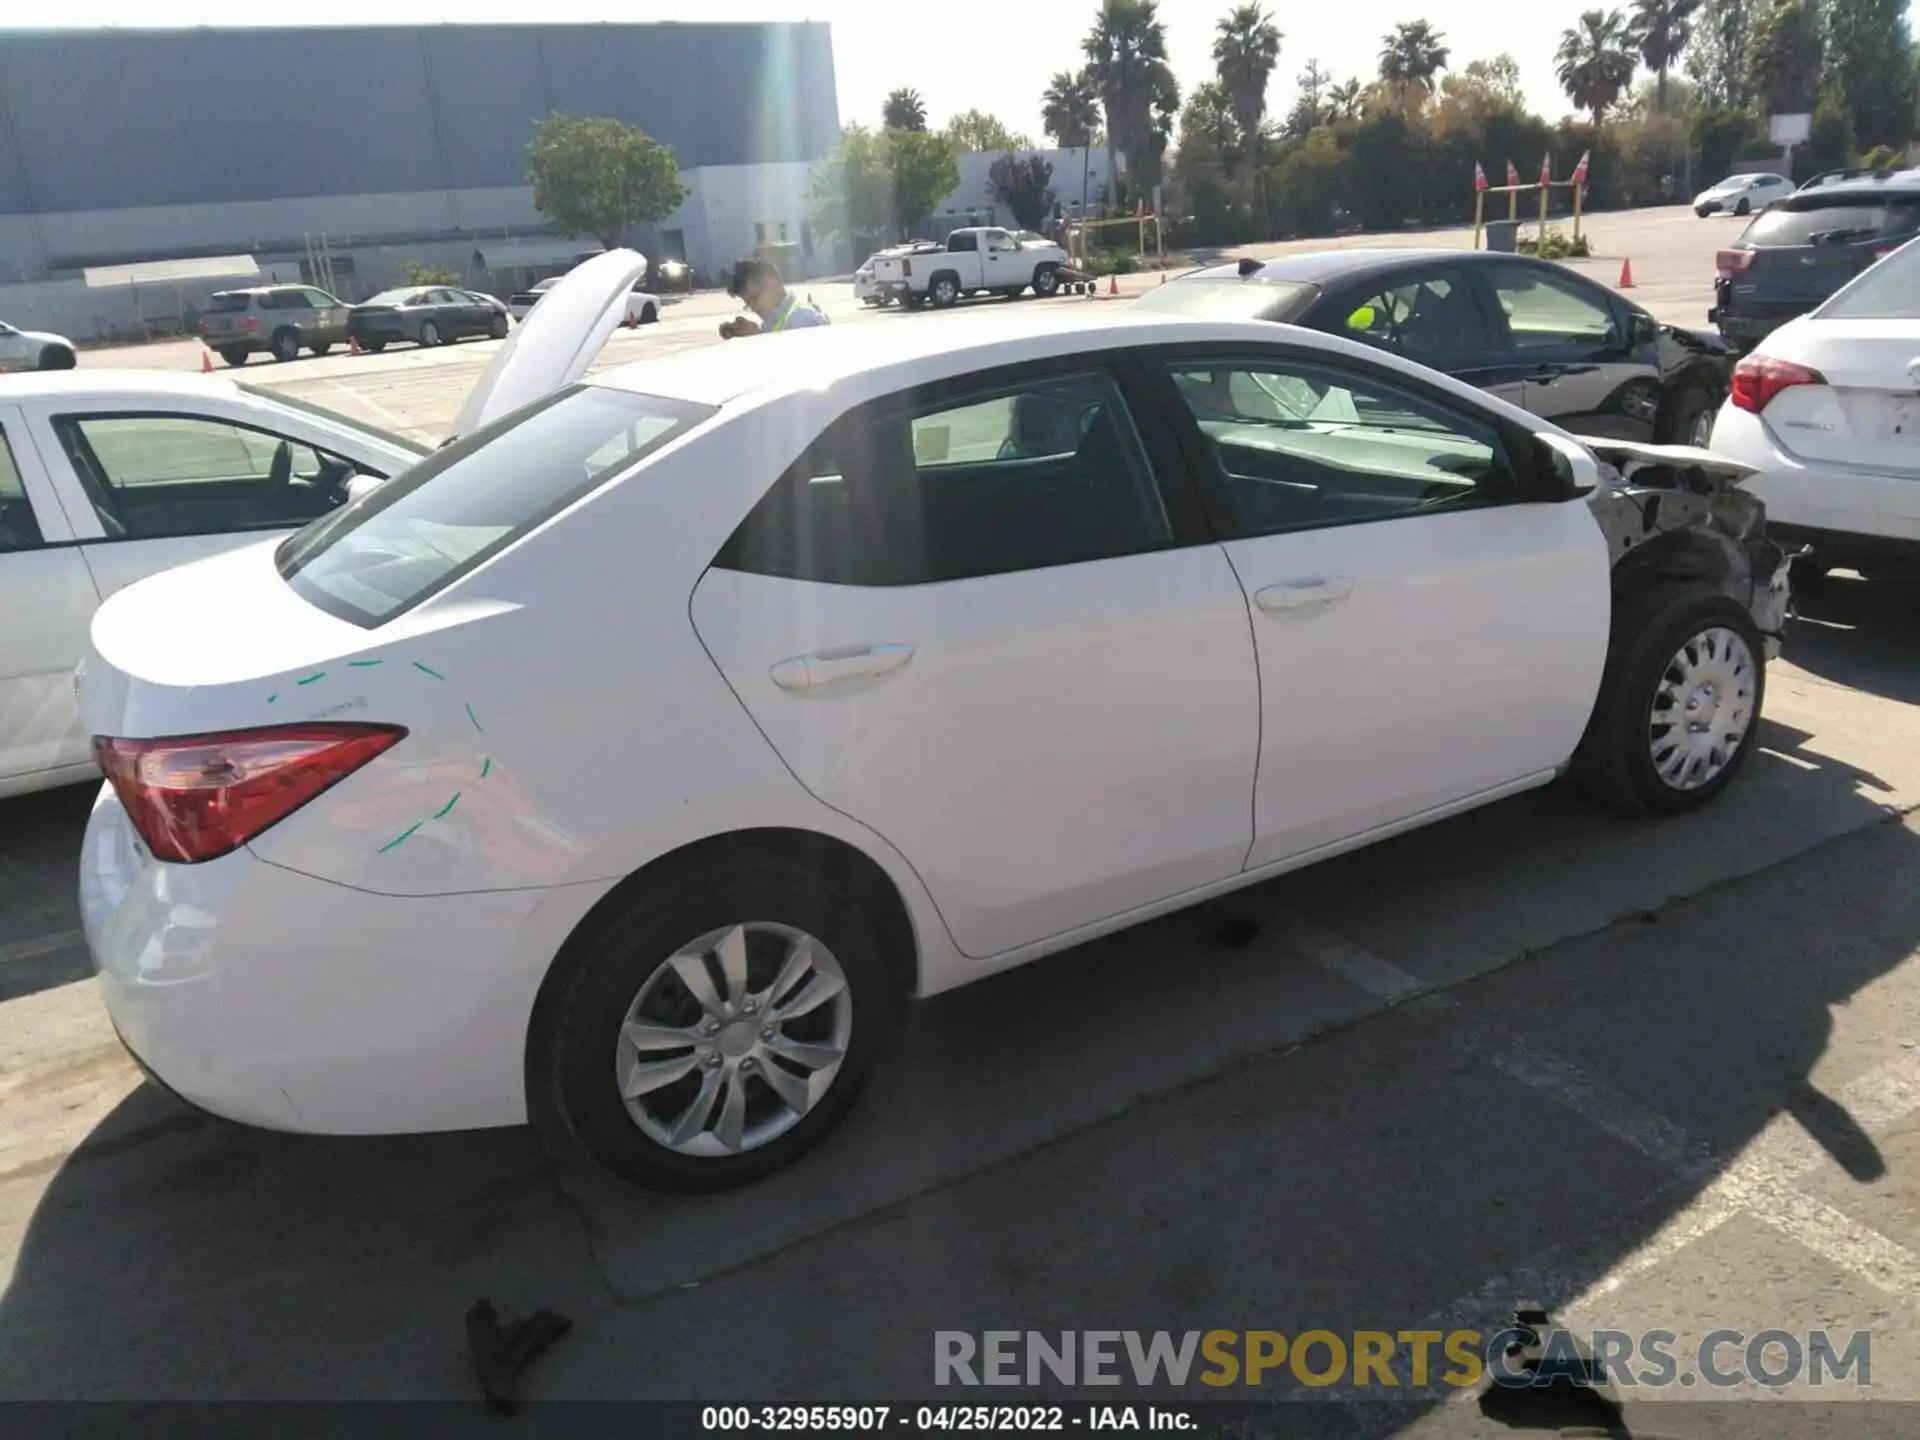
{"x": 1643, "y": 329}
{"x": 1573, "y": 468}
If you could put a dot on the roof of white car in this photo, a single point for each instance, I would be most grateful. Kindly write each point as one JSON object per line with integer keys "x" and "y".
{"x": 768, "y": 365}
{"x": 33, "y": 385}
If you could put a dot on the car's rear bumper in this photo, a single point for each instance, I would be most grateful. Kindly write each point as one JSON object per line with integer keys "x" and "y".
{"x": 1843, "y": 512}
{"x": 275, "y": 999}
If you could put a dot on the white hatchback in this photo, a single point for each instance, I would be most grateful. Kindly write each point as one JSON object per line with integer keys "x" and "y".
{"x": 1828, "y": 407}
{"x": 1742, "y": 195}
{"x": 627, "y": 763}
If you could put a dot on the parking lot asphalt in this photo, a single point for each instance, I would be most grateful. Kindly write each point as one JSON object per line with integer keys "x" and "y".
{"x": 1651, "y": 1075}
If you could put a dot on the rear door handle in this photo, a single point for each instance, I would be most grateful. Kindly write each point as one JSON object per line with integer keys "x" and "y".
{"x": 1311, "y": 594}
{"x": 1542, "y": 377}
{"x": 848, "y": 662}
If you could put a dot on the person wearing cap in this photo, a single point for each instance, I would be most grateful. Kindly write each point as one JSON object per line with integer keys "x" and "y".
{"x": 759, "y": 286}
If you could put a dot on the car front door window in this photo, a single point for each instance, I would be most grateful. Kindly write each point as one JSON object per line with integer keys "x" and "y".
{"x": 1546, "y": 312}
{"x": 160, "y": 476}
{"x": 1434, "y": 319}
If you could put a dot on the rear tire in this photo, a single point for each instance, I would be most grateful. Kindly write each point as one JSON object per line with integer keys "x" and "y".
{"x": 1653, "y": 632}
{"x": 913, "y": 301}
{"x": 497, "y": 328}
{"x": 373, "y": 347}
{"x": 649, "y": 315}
{"x": 619, "y": 961}
{"x": 1745, "y": 207}
{"x": 56, "y": 357}
{"x": 234, "y": 355}
{"x": 944, "y": 292}
{"x": 322, "y": 348}
{"x": 429, "y": 334}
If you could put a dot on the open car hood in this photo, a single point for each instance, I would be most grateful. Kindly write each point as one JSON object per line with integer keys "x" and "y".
{"x": 1629, "y": 458}
{"x": 557, "y": 341}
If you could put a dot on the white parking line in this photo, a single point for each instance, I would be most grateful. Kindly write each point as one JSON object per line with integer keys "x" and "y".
{"x": 1757, "y": 1181}
{"x": 12, "y": 950}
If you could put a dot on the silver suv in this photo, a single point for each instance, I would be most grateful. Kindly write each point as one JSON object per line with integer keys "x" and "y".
{"x": 282, "y": 320}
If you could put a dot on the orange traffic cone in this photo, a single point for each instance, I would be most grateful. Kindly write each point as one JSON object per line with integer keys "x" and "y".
{"x": 1113, "y": 283}
{"x": 206, "y": 362}
{"x": 1626, "y": 274}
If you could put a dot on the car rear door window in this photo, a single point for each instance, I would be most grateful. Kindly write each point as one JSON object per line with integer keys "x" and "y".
{"x": 983, "y": 481}
{"x": 19, "y": 530}
{"x": 156, "y": 476}
{"x": 1296, "y": 445}
{"x": 1816, "y": 222}
{"x": 1428, "y": 318}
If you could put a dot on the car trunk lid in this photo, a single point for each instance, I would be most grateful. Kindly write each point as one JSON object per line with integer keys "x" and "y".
{"x": 1867, "y": 413}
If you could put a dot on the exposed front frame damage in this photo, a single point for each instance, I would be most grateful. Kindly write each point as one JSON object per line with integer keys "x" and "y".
{"x": 1675, "y": 513}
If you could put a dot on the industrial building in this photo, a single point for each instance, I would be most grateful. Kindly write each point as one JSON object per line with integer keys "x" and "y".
{"x": 121, "y": 148}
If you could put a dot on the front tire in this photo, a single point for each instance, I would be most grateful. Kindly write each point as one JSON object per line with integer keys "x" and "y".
{"x": 56, "y": 357}
{"x": 713, "y": 1029}
{"x": 1680, "y": 702}
{"x": 322, "y": 348}
{"x": 649, "y": 315}
{"x": 1745, "y": 207}
{"x": 286, "y": 346}
{"x": 429, "y": 334}
{"x": 1690, "y": 421}
{"x": 234, "y": 355}
{"x": 497, "y": 327}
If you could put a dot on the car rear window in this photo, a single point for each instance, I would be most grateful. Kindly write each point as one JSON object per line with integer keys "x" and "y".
{"x": 421, "y": 531}
{"x": 1234, "y": 299}
{"x": 229, "y": 300}
{"x": 1839, "y": 219}
{"x": 1889, "y": 290}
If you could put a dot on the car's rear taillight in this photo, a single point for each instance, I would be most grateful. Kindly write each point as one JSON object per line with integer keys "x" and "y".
{"x": 250, "y": 323}
{"x": 197, "y": 797}
{"x": 1732, "y": 262}
{"x": 1758, "y": 378}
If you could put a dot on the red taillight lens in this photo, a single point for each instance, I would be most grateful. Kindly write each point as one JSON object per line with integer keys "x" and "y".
{"x": 196, "y": 797}
{"x": 1758, "y": 378}
{"x": 1732, "y": 262}
{"x": 250, "y": 323}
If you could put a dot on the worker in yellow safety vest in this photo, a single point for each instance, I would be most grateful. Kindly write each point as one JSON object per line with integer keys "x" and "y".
{"x": 758, "y": 285}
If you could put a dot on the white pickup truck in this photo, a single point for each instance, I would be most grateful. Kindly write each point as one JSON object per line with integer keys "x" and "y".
{"x": 975, "y": 261}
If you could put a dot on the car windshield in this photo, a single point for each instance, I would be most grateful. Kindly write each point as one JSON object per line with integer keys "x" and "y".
{"x": 423, "y": 530}
{"x": 1889, "y": 290}
{"x": 397, "y": 297}
{"x": 1234, "y": 299}
{"x": 1818, "y": 220}
{"x": 334, "y": 417}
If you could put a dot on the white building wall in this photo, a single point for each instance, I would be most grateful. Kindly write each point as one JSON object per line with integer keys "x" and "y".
{"x": 1075, "y": 172}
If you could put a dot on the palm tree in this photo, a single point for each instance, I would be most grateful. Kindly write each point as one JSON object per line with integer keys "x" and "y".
{"x": 1344, "y": 101}
{"x": 1411, "y": 56}
{"x": 1070, "y": 110}
{"x": 1246, "y": 48}
{"x": 1660, "y": 29}
{"x": 1127, "y": 62}
{"x": 1783, "y": 61}
{"x": 905, "y": 110}
{"x": 1596, "y": 60}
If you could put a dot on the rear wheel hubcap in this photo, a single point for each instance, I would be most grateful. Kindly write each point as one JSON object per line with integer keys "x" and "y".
{"x": 733, "y": 1039}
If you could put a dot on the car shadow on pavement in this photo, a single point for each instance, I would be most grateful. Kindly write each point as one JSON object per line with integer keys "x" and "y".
{"x": 1861, "y": 633}
{"x": 1213, "y": 1121}
{"x": 39, "y": 911}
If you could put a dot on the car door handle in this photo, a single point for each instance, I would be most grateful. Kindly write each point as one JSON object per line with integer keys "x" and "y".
{"x": 1542, "y": 376}
{"x": 1312, "y": 594}
{"x": 825, "y": 667}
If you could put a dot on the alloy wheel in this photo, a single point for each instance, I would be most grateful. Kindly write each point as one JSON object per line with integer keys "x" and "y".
{"x": 733, "y": 1039}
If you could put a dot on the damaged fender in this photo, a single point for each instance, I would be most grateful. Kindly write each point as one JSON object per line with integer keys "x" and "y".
{"x": 1676, "y": 513}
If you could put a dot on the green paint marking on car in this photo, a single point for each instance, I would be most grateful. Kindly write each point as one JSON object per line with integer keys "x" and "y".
{"x": 317, "y": 675}
{"x": 473, "y": 717}
{"x": 448, "y": 806}
{"x": 273, "y": 697}
{"x": 363, "y": 664}
{"x": 486, "y": 767}
{"x": 425, "y": 669}
{"x": 403, "y": 835}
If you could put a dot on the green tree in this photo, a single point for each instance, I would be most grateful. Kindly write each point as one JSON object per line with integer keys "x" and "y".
{"x": 852, "y": 191}
{"x": 1784, "y": 56}
{"x": 923, "y": 169}
{"x": 1720, "y": 133}
{"x": 977, "y": 130}
{"x": 1411, "y": 56}
{"x": 1070, "y": 110}
{"x": 1346, "y": 100}
{"x": 1126, "y": 52}
{"x": 1717, "y": 54}
{"x": 1595, "y": 61}
{"x": 1309, "y": 110}
{"x": 1660, "y": 30}
{"x": 601, "y": 177}
{"x": 1471, "y": 94}
{"x": 416, "y": 273}
{"x": 1869, "y": 67}
{"x": 1246, "y": 50}
{"x": 904, "y": 110}
{"x": 1024, "y": 185}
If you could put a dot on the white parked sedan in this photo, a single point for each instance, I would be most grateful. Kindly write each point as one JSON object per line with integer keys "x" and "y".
{"x": 627, "y": 763}
{"x": 34, "y": 350}
{"x": 107, "y": 476}
{"x": 1828, "y": 407}
{"x": 1742, "y": 195}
